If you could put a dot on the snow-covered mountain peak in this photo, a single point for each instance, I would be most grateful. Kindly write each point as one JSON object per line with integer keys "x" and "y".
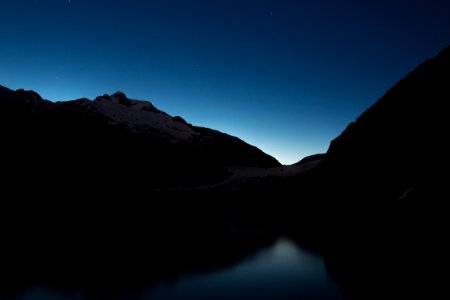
{"x": 122, "y": 99}
{"x": 138, "y": 114}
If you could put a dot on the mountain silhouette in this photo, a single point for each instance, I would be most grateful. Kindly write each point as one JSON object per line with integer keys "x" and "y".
{"x": 112, "y": 139}
{"x": 378, "y": 192}
{"x": 388, "y": 150}
{"x": 383, "y": 162}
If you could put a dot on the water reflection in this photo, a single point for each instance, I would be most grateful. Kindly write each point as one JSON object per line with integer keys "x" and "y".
{"x": 280, "y": 271}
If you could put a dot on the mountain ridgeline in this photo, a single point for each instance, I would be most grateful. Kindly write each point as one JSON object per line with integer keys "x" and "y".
{"x": 113, "y": 141}
{"x": 387, "y": 163}
{"x": 375, "y": 202}
{"x": 385, "y": 155}
{"x": 391, "y": 150}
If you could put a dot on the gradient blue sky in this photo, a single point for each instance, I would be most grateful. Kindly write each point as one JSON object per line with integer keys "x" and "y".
{"x": 286, "y": 76}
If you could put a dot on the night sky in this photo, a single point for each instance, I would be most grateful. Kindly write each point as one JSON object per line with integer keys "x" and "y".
{"x": 285, "y": 76}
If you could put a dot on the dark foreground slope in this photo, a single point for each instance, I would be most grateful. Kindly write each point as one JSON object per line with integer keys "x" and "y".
{"x": 112, "y": 141}
{"x": 379, "y": 193}
{"x": 391, "y": 160}
{"x": 397, "y": 145}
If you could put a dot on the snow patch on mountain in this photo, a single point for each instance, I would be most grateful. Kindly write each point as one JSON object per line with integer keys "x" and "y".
{"x": 138, "y": 114}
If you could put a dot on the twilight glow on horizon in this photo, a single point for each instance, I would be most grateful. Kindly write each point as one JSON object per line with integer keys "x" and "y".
{"x": 286, "y": 76}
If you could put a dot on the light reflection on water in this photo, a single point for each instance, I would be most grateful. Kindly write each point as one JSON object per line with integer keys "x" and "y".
{"x": 282, "y": 271}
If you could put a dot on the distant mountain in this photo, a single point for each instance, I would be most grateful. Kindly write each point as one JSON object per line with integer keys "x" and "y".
{"x": 311, "y": 158}
{"x": 113, "y": 141}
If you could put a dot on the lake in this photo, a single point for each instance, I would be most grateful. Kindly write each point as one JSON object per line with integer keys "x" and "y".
{"x": 280, "y": 271}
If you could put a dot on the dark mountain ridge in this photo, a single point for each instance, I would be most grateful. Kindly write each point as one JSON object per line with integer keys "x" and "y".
{"x": 113, "y": 139}
{"x": 400, "y": 133}
{"x": 377, "y": 197}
